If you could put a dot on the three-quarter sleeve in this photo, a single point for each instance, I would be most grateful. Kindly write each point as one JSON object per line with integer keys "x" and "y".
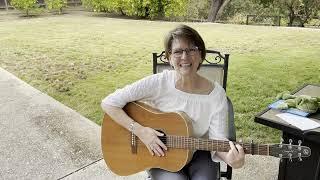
{"x": 142, "y": 89}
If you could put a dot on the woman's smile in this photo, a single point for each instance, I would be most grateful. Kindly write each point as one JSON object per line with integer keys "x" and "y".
{"x": 185, "y": 65}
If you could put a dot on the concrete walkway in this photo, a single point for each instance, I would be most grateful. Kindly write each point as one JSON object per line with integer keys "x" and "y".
{"x": 41, "y": 138}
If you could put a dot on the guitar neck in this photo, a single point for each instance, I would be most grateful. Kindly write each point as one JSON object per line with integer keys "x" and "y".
{"x": 213, "y": 145}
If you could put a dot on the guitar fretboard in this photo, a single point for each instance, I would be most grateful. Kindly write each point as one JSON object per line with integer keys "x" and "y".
{"x": 212, "y": 145}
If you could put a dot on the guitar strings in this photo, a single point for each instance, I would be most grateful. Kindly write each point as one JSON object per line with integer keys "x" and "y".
{"x": 209, "y": 144}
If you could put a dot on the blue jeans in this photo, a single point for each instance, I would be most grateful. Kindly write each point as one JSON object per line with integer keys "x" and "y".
{"x": 201, "y": 167}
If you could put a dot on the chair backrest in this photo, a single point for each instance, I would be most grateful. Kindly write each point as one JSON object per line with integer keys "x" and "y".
{"x": 214, "y": 67}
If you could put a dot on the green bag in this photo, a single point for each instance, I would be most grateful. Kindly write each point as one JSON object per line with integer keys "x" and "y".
{"x": 302, "y": 102}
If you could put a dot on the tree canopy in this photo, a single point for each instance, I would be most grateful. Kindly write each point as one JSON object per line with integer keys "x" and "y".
{"x": 301, "y": 11}
{"x": 296, "y": 12}
{"x": 140, "y": 8}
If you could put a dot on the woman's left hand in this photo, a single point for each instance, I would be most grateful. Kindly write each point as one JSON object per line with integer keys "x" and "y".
{"x": 235, "y": 156}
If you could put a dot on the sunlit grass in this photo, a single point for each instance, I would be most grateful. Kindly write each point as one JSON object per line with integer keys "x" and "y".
{"x": 79, "y": 59}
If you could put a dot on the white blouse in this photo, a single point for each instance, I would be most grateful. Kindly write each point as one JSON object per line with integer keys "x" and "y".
{"x": 208, "y": 113}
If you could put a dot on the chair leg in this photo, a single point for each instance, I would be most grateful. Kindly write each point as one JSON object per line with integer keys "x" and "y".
{"x": 229, "y": 172}
{"x": 219, "y": 171}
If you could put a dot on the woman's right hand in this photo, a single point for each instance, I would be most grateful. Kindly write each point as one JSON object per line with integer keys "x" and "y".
{"x": 150, "y": 139}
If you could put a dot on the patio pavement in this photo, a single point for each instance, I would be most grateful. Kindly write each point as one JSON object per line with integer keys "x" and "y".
{"x": 44, "y": 139}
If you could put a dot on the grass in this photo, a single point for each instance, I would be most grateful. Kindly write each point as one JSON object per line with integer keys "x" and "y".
{"x": 79, "y": 59}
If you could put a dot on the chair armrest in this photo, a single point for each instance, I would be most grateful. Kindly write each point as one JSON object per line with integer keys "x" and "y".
{"x": 232, "y": 136}
{"x": 231, "y": 125}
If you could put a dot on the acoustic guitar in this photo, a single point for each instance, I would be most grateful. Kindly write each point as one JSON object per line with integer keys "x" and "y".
{"x": 125, "y": 154}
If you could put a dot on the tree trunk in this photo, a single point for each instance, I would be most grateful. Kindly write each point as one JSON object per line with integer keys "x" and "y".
{"x": 121, "y": 11}
{"x": 6, "y": 4}
{"x": 306, "y": 15}
{"x": 224, "y": 4}
{"x": 160, "y": 9}
{"x": 216, "y": 9}
{"x": 215, "y": 5}
{"x": 291, "y": 15}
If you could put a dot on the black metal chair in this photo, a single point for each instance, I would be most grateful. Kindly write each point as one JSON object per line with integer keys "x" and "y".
{"x": 214, "y": 68}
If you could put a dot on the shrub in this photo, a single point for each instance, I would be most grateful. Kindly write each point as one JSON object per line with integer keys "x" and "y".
{"x": 56, "y": 5}
{"x": 24, "y": 5}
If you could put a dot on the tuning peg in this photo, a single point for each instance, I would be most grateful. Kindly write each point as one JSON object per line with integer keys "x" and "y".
{"x": 299, "y": 145}
{"x": 281, "y": 142}
{"x": 290, "y": 144}
{"x": 280, "y": 156}
{"x": 290, "y": 157}
{"x": 299, "y": 156}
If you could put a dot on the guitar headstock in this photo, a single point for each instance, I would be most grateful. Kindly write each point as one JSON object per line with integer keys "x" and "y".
{"x": 289, "y": 151}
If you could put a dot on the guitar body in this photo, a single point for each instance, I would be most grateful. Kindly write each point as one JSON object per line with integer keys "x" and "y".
{"x": 116, "y": 141}
{"x": 124, "y": 159}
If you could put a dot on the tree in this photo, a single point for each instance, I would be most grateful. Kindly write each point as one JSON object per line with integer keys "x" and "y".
{"x": 6, "y": 4}
{"x": 96, "y": 5}
{"x": 216, "y": 9}
{"x": 297, "y": 10}
{"x": 25, "y": 5}
{"x": 56, "y": 4}
{"x": 142, "y": 8}
{"x": 304, "y": 11}
{"x": 197, "y": 10}
{"x": 176, "y": 8}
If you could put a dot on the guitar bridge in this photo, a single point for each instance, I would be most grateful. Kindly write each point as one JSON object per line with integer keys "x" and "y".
{"x": 133, "y": 143}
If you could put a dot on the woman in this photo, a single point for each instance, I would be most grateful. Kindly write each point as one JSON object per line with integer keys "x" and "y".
{"x": 181, "y": 89}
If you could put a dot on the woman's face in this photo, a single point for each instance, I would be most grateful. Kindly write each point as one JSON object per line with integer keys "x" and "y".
{"x": 184, "y": 57}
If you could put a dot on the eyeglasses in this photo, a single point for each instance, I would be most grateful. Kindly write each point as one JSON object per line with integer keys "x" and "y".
{"x": 177, "y": 53}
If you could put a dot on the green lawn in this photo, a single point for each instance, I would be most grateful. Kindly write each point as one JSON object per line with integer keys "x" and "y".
{"x": 79, "y": 59}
